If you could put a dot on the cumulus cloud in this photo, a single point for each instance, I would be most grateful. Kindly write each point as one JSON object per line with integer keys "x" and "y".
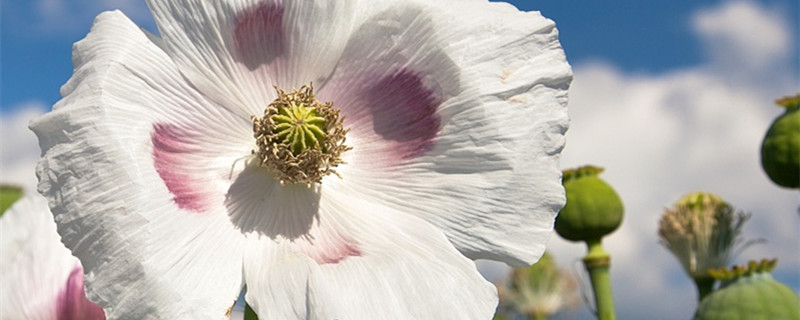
{"x": 744, "y": 46}
{"x": 662, "y": 136}
{"x": 20, "y": 148}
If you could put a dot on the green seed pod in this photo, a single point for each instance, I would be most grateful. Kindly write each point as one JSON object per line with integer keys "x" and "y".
{"x": 749, "y": 292}
{"x": 593, "y": 208}
{"x": 780, "y": 150}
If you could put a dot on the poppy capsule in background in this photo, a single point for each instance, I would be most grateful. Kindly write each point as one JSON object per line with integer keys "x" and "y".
{"x": 780, "y": 150}
{"x": 593, "y": 208}
{"x": 749, "y": 292}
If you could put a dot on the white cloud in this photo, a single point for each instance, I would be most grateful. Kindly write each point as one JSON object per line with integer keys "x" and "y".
{"x": 734, "y": 41}
{"x": 20, "y": 148}
{"x": 661, "y": 136}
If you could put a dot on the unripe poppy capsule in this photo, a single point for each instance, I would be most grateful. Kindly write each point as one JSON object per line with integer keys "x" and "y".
{"x": 593, "y": 208}
{"x": 780, "y": 150}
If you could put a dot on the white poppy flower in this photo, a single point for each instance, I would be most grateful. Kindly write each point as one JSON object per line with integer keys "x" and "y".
{"x": 449, "y": 122}
{"x": 41, "y": 279}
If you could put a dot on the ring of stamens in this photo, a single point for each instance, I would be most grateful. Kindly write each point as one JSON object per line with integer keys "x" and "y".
{"x": 300, "y": 139}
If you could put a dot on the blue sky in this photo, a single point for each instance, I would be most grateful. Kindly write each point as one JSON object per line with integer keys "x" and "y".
{"x": 636, "y": 36}
{"x": 669, "y": 96}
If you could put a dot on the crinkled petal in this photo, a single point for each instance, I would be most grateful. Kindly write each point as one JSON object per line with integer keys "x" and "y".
{"x": 136, "y": 165}
{"x": 41, "y": 279}
{"x": 258, "y": 203}
{"x": 457, "y": 115}
{"x": 365, "y": 261}
{"x": 236, "y": 51}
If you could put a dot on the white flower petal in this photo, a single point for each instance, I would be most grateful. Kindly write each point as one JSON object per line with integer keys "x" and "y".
{"x": 458, "y": 115}
{"x": 236, "y": 51}
{"x": 258, "y": 203}
{"x": 41, "y": 279}
{"x": 136, "y": 165}
{"x": 365, "y": 261}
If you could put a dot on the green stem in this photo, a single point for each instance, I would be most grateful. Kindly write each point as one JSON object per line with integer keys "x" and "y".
{"x": 597, "y": 262}
{"x": 705, "y": 285}
{"x": 249, "y": 313}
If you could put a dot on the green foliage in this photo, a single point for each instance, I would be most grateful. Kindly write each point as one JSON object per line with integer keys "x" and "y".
{"x": 501, "y": 316}
{"x": 249, "y": 313}
{"x": 8, "y": 195}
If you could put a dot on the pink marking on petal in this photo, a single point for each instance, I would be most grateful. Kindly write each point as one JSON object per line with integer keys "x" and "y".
{"x": 330, "y": 249}
{"x": 172, "y": 146}
{"x": 258, "y": 33}
{"x": 403, "y": 110}
{"x": 71, "y": 303}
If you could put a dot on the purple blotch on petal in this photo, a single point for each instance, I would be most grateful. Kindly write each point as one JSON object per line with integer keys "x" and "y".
{"x": 403, "y": 110}
{"x": 337, "y": 254}
{"x": 171, "y": 146}
{"x": 258, "y": 34}
{"x": 72, "y": 303}
{"x": 331, "y": 249}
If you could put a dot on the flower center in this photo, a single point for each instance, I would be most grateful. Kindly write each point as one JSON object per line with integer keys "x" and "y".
{"x": 300, "y": 139}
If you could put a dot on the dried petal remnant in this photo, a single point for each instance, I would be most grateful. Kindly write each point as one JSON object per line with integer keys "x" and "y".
{"x": 300, "y": 139}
